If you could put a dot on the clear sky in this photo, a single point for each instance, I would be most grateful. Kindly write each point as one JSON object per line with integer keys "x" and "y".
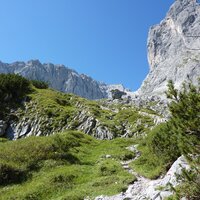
{"x": 105, "y": 39}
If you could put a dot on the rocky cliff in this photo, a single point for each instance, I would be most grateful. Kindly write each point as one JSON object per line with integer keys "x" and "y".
{"x": 59, "y": 77}
{"x": 174, "y": 48}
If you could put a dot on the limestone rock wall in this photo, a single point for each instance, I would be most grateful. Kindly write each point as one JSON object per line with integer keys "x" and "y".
{"x": 174, "y": 48}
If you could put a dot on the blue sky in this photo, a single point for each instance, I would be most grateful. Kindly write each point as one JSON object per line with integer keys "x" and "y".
{"x": 105, "y": 39}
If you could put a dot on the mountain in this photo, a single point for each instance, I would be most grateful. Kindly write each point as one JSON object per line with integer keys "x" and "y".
{"x": 174, "y": 48}
{"x": 62, "y": 79}
{"x": 59, "y": 77}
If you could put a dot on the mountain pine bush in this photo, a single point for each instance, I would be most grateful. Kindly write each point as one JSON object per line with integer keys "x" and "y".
{"x": 13, "y": 87}
{"x": 185, "y": 125}
{"x": 179, "y": 136}
{"x": 39, "y": 84}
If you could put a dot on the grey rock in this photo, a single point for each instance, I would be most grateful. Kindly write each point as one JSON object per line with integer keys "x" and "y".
{"x": 40, "y": 125}
{"x": 87, "y": 125}
{"x": 3, "y": 126}
{"x": 23, "y": 128}
{"x": 170, "y": 178}
{"x": 102, "y": 132}
{"x": 108, "y": 156}
{"x": 119, "y": 87}
{"x": 173, "y": 49}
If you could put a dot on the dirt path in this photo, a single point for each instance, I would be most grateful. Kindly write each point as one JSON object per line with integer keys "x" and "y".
{"x": 146, "y": 189}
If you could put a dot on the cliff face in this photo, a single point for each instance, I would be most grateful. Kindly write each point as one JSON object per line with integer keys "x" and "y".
{"x": 59, "y": 77}
{"x": 174, "y": 48}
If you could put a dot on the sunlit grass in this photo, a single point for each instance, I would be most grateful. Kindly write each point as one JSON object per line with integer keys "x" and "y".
{"x": 70, "y": 165}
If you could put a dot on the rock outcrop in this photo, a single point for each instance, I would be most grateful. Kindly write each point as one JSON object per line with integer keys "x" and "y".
{"x": 174, "y": 49}
{"x": 46, "y": 112}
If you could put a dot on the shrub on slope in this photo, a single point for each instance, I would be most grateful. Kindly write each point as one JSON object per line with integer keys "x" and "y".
{"x": 180, "y": 135}
{"x": 13, "y": 87}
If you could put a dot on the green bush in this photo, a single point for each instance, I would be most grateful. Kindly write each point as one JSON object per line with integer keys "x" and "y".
{"x": 179, "y": 136}
{"x": 185, "y": 113}
{"x": 163, "y": 143}
{"x": 10, "y": 174}
{"x": 184, "y": 123}
{"x": 39, "y": 84}
{"x": 13, "y": 87}
{"x": 182, "y": 132}
{"x": 23, "y": 156}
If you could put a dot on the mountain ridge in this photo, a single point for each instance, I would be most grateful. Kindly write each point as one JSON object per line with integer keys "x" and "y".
{"x": 58, "y": 77}
{"x": 61, "y": 78}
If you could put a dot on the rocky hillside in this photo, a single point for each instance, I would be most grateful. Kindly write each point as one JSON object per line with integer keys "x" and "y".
{"x": 47, "y": 111}
{"x": 174, "y": 48}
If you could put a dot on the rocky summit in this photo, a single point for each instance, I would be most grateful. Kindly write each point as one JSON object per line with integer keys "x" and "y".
{"x": 174, "y": 48}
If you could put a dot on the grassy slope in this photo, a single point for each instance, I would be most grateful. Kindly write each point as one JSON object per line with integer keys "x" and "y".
{"x": 149, "y": 164}
{"x": 71, "y": 166}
